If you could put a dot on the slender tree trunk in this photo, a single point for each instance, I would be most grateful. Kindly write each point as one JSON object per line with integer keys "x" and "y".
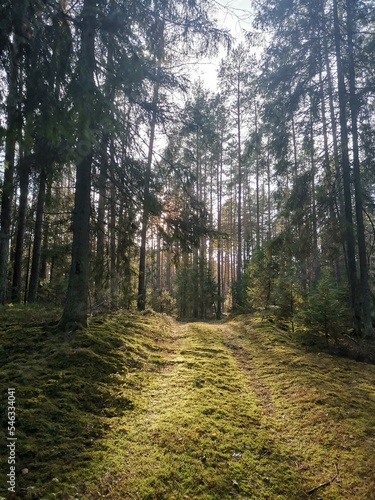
{"x": 336, "y": 153}
{"x": 168, "y": 282}
{"x": 269, "y": 225}
{"x": 37, "y": 245}
{"x": 316, "y": 263}
{"x": 158, "y": 267}
{"x": 196, "y": 281}
{"x": 257, "y": 228}
{"x": 239, "y": 199}
{"x": 76, "y": 304}
{"x": 295, "y": 157}
{"x": 46, "y": 233}
{"x": 27, "y": 271}
{"x": 327, "y": 166}
{"x": 141, "y": 301}
{"x": 113, "y": 253}
{"x": 24, "y": 171}
{"x": 219, "y": 242}
{"x": 100, "y": 226}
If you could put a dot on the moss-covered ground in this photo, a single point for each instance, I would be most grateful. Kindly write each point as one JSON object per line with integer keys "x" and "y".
{"x": 141, "y": 407}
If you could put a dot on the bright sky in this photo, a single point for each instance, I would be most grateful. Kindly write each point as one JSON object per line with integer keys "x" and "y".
{"x": 236, "y": 16}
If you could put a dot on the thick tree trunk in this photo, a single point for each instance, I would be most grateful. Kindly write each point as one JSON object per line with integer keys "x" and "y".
{"x": 76, "y": 304}
{"x": 350, "y": 244}
{"x": 366, "y": 297}
{"x": 8, "y": 182}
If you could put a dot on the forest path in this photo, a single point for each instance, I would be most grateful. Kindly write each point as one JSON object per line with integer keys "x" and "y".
{"x": 245, "y": 409}
{"x": 200, "y": 429}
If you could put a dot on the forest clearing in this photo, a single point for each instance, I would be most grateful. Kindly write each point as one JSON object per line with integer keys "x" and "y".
{"x": 187, "y": 258}
{"x": 139, "y": 406}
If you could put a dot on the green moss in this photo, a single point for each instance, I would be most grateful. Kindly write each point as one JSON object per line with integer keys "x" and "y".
{"x": 69, "y": 392}
{"x": 139, "y": 407}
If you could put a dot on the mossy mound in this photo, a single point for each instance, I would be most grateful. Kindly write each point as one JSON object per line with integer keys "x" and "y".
{"x": 70, "y": 392}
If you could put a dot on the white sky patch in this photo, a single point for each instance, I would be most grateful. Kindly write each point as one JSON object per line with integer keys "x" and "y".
{"x": 236, "y": 16}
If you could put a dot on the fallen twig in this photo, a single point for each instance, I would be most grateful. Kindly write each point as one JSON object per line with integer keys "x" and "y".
{"x": 350, "y": 338}
{"x": 310, "y": 492}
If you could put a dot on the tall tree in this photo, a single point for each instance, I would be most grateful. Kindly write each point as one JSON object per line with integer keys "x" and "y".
{"x": 346, "y": 174}
{"x": 76, "y": 305}
{"x": 14, "y": 44}
{"x": 159, "y": 57}
{"x": 234, "y": 77}
{"x": 353, "y": 100}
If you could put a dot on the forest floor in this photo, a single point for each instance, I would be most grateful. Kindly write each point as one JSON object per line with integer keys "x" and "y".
{"x": 143, "y": 407}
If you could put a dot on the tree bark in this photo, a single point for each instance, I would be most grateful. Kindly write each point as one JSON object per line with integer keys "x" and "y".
{"x": 100, "y": 226}
{"x": 37, "y": 245}
{"x": 257, "y": 174}
{"x": 24, "y": 171}
{"x": 46, "y": 234}
{"x": 239, "y": 196}
{"x": 141, "y": 301}
{"x": 219, "y": 243}
{"x": 366, "y": 297}
{"x": 350, "y": 242}
{"x": 8, "y": 182}
{"x": 76, "y": 304}
{"x": 112, "y": 251}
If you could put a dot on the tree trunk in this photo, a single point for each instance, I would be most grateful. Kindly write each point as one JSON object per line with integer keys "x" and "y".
{"x": 112, "y": 252}
{"x": 7, "y": 191}
{"x": 141, "y": 301}
{"x": 37, "y": 246}
{"x": 219, "y": 243}
{"x": 366, "y": 297}
{"x": 24, "y": 171}
{"x": 352, "y": 273}
{"x": 46, "y": 233}
{"x": 239, "y": 199}
{"x": 76, "y": 304}
{"x": 269, "y": 225}
{"x": 327, "y": 166}
{"x": 316, "y": 263}
{"x": 257, "y": 145}
{"x": 100, "y": 226}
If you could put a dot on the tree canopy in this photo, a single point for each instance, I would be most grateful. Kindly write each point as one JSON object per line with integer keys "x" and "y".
{"x": 127, "y": 185}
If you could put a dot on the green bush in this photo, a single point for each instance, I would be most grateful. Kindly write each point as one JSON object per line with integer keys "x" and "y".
{"x": 326, "y": 307}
